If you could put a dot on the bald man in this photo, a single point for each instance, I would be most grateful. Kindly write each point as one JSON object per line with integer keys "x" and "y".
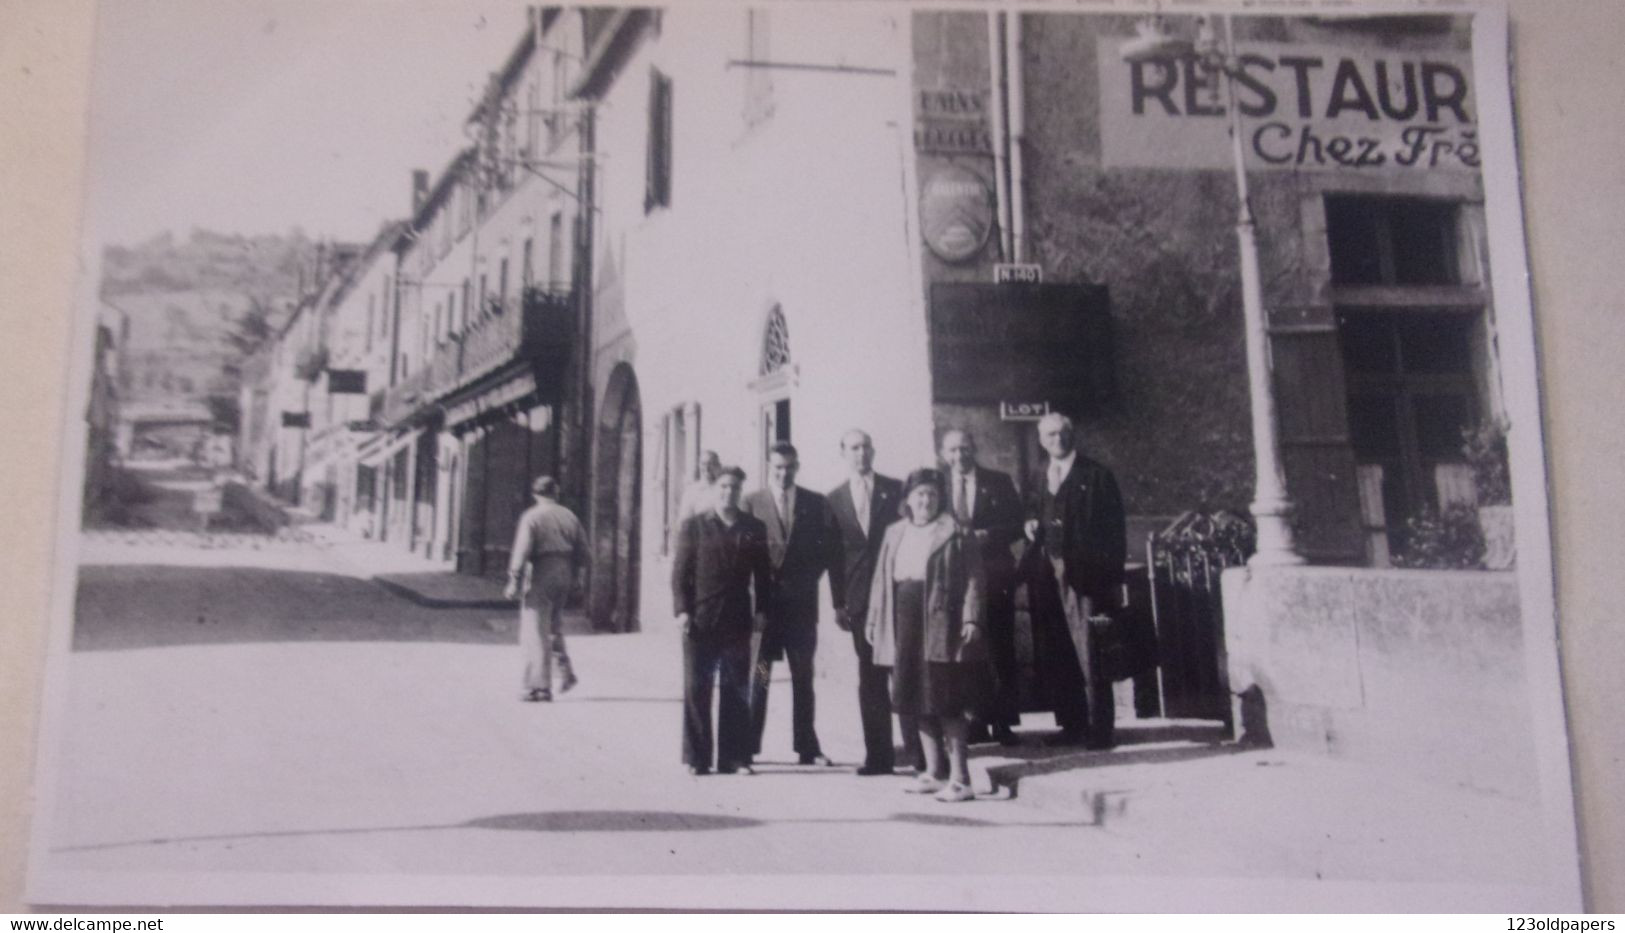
{"x": 986, "y": 503}
{"x": 864, "y": 505}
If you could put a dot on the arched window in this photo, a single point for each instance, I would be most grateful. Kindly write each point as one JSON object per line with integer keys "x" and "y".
{"x": 775, "y": 344}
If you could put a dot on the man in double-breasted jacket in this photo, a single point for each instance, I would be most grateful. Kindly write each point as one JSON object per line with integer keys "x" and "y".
{"x": 802, "y": 545}
{"x": 1078, "y": 531}
{"x": 721, "y": 585}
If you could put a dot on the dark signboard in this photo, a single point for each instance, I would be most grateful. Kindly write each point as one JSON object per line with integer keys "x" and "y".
{"x": 295, "y": 419}
{"x": 347, "y": 381}
{"x": 1038, "y": 343}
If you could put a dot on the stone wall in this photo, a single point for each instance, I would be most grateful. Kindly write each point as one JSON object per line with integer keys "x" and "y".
{"x": 1420, "y": 670}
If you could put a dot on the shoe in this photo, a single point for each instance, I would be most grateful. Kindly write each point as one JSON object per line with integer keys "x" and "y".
{"x": 873, "y": 770}
{"x": 1006, "y": 737}
{"x": 698, "y": 770}
{"x": 924, "y": 784}
{"x": 536, "y": 696}
{"x": 1064, "y": 737}
{"x": 820, "y": 760}
{"x": 956, "y": 793}
{"x": 740, "y": 769}
{"x": 570, "y": 680}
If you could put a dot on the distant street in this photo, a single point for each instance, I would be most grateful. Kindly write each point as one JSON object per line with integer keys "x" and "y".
{"x": 228, "y": 717}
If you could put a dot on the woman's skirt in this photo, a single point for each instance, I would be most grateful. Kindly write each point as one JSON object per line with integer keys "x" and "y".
{"x": 920, "y": 687}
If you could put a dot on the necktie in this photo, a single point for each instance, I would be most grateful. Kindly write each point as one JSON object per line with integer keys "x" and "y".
{"x": 784, "y": 512}
{"x": 962, "y": 499}
{"x": 860, "y": 502}
{"x": 1055, "y": 478}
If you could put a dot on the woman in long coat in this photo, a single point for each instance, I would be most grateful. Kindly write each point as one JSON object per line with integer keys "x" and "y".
{"x": 925, "y": 614}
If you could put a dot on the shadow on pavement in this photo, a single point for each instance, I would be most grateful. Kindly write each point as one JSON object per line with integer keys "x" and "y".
{"x": 580, "y": 821}
{"x": 598, "y": 821}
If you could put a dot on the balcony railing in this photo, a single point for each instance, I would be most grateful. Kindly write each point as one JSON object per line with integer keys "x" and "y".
{"x": 537, "y": 327}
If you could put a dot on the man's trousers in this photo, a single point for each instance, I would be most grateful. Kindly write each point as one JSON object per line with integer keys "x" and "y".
{"x": 724, "y": 661}
{"x": 541, "y": 621}
{"x": 804, "y": 736}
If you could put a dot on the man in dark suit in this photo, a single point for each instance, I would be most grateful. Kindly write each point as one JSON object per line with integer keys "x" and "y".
{"x": 1080, "y": 543}
{"x": 864, "y": 505}
{"x": 986, "y": 502}
{"x": 720, "y": 587}
{"x": 801, "y": 543}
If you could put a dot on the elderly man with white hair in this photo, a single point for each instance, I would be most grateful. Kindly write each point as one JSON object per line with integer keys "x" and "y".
{"x": 1079, "y": 544}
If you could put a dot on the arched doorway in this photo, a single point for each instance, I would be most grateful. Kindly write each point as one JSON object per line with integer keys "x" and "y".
{"x": 617, "y": 505}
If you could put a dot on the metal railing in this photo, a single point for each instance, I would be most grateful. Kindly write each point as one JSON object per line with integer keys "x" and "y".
{"x": 537, "y": 326}
{"x": 1185, "y": 561}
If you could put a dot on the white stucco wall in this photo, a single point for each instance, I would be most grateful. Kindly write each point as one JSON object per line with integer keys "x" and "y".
{"x": 808, "y": 211}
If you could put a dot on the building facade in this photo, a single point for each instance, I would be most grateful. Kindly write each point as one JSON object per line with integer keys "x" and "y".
{"x": 809, "y": 220}
{"x": 686, "y": 229}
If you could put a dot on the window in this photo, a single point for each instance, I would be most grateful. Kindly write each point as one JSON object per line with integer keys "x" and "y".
{"x": 1392, "y": 241}
{"x": 1411, "y": 396}
{"x": 657, "y": 192}
{"x": 527, "y": 271}
{"x": 468, "y": 305}
{"x": 451, "y": 314}
{"x": 775, "y": 344}
{"x": 758, "y": 78}
{"x": 678, "y": 465}
{"x": 1414, "y": 350}
{"x": 502, "y": 281}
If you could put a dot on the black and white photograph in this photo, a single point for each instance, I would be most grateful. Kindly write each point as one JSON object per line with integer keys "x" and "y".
{"x": 804, "y": 455}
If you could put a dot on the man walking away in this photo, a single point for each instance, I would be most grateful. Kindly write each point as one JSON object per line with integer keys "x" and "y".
{"x": 551, "y": 543}
{"x": 720, "y": 585}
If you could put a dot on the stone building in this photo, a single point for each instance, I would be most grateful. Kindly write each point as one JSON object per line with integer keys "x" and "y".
{"x": 805, "y": 220}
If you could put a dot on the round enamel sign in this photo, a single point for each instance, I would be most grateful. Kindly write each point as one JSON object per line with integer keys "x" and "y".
{"x": 956, "y": 213}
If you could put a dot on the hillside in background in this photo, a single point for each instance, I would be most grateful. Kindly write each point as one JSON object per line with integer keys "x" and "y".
{"x": 186, "y": 305}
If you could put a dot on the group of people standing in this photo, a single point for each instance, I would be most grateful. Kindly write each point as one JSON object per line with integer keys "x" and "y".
{"x": 923, "y": 574}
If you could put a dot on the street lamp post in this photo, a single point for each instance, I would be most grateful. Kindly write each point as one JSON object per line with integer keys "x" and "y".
{"x": 1271, "y": 508}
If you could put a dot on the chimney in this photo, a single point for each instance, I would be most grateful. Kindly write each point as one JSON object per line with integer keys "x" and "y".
{"x": 420, "y": 189}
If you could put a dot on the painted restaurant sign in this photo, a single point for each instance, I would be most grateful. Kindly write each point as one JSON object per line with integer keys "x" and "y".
{"x": 1302, "y": 108}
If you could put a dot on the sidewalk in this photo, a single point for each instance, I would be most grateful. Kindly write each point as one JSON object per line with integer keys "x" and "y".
{"x": 428, "y": 583}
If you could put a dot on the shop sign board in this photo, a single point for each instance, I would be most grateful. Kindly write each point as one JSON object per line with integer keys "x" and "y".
{"x": 1022, "y": 411}
{"x": 1012, "y": 272}
{"x": 992, "y": 344}
{"x": 1302, "y": 107}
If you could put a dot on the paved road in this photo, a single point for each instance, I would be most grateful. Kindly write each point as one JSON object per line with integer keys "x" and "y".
{"x": 314, "y": 727}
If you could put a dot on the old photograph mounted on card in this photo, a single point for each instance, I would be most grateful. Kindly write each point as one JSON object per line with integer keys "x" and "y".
{"x": 790, "y": 456}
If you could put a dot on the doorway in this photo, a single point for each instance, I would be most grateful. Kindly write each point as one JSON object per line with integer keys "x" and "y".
{"x": 618, "y": 505}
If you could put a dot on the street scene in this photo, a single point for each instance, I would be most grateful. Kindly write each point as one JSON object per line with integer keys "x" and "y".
{"x": 282, "y": 709}
{"x": 965, "y": 446}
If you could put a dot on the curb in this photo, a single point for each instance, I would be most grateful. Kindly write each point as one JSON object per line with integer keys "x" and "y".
{"x": 431, "y": 602}
{"x": 1055, "y": 785}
